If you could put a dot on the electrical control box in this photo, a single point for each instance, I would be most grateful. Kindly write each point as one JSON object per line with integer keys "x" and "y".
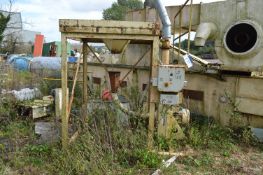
{"x": 171, "y": 78}
{"x": 170, "y": 99}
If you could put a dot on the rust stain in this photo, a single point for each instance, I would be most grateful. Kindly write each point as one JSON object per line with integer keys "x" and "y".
{"x": 156, "y": 29}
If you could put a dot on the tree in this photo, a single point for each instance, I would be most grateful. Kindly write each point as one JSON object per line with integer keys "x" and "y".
{"x": 149, "y": 3}
{"x": 10, "y": 29}
{"x": 199, "y": 51}
{"x": 3, "y": 24}
{"x": 118, "y": 9}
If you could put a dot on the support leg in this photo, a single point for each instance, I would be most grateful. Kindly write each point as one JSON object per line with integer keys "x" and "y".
{"x": 85, "y": 82}
{"x": 64, "y": 75}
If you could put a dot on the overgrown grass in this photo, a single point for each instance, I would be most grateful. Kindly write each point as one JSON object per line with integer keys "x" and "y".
{"x": 107, "y": 145}
{"x": 114, "y": 143}
{"x": 213, "y": 149}
{"x": 211, "y": 135}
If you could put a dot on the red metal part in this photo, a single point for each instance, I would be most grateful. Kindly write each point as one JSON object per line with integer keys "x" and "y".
{"x": 38, "y": 46}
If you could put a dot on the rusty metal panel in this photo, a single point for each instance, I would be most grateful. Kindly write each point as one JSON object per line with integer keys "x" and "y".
{"x": 114, "y": 81}
{"x": 250, "y": 106}
{"x": 250, "y": 88}
{"x": 96, "y": 80}
{"x": 108, "y": 27}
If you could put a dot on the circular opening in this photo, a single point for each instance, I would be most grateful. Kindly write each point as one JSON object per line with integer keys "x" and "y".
{"x": 241, "y": 38}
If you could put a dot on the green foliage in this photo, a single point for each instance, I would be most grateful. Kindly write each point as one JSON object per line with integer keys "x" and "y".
{"x": 37, "y": 150}
{"x": 46, "y": 86}
{"x": 199, "y": 51}
{"x": 163, "y": 143}
{"x": 118, "y": 9}
{"x": 3, "y": 168}
{"x": 7, "y": 109}
{"x": 204, "y": 160}
{"x": 214, "y": 136}
{"x": 139, "y": 157}
{"x": 149, "y": 3}
{"x": 236, "y": 121}
{"x": 211, "y": 136}
{"x": 148, "y": 159}
{"x": 116, "y": 12}
{"x": 18, "y": 129}
{"x": 16, "y": 80}
{"x": 135, "y": 96}
{"x": 3, "y": 24}
{"x": 36, "y": 154}
{"x": 108, "y": 146}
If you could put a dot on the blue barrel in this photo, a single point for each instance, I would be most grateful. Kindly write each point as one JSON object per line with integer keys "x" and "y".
{"x": 21, "y": 63}
{"x": 72, "y": 59}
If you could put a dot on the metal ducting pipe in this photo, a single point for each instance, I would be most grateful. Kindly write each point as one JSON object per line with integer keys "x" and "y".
{"x": 204, "y": 32}
{"x": 164, "y": 18}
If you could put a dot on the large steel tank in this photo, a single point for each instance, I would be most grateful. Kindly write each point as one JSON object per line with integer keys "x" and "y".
{"x": 46, "y": 66}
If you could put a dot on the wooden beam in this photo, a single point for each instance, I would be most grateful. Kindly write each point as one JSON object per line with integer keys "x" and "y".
{"x": 153, "y": 94}
{"x": 109, "y": 27}
{"x": 64, "y": 75}
{"x": 85, "y": 82}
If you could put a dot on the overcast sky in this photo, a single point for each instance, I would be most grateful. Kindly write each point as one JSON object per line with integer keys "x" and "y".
{"x": 43, "y": 15}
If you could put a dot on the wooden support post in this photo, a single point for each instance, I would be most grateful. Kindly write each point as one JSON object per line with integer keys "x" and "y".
{"x": 64, "y": 75}
{"x": 85, "y": 82}
{"x": 153, "y": 94}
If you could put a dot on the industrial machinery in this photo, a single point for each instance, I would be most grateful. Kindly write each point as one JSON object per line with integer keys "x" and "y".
{"x": 236, "y": 28}
{"x": 170, "y": 82}
{"x": 165, "y": 81}
{"x": 223, "y": 88}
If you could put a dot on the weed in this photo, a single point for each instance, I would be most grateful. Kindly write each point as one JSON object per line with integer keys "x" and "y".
{"x": 107, "y": 146}
{"x": 46, "y": 86}
{"x": 136, "y": 98}
{"x": 18, "y": 129}
{"x": 37, "y": 150}
{"x": 163, "y": 143}
{"x": 7, "y": 109}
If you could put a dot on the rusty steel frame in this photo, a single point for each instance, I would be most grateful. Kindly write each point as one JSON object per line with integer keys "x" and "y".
{"x": 95, "y": 31}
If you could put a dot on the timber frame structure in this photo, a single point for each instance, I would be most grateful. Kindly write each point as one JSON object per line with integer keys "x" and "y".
{"x": 95, "y": 31}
